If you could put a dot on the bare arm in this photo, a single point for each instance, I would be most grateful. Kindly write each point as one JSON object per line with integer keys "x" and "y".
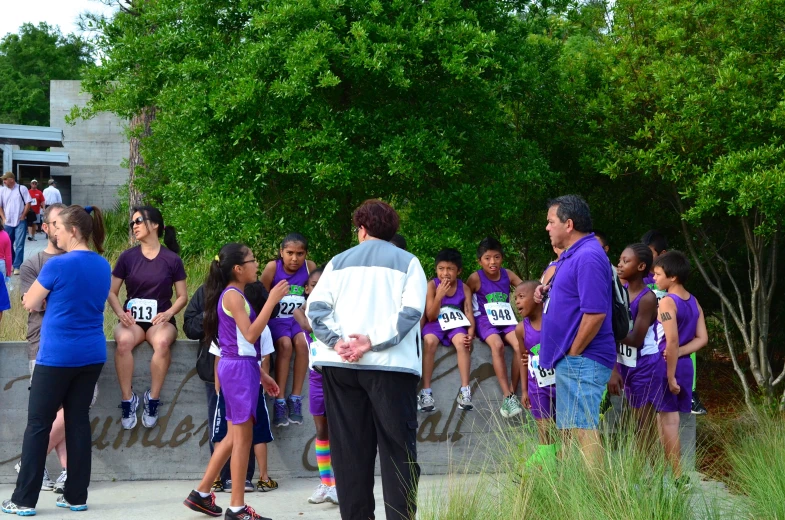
{"x": 469, "y": 311}
{"x": 34, "y": 298}
{"x": 235, "y": 303}
{"x": 268, "y": 274}
{"x": 587, "y": 330}
{"x": 667, "y": 311}
{"x": 473, "y": 282}
{"x": 515, "y": 280}
{"x": 302, "y": 320}
{"x": 433, "y": 301}
{"x": 647, "y": 313}
{"x": 114, "y": 298}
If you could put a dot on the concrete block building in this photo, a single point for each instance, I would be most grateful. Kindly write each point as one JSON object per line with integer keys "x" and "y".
{"x": 97, "y": 149}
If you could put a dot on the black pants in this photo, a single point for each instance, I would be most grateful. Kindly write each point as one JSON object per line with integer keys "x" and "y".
{"x": 370, "y": 408}
{"x": 212, "y": 403}
{"x": 52, "y": 386}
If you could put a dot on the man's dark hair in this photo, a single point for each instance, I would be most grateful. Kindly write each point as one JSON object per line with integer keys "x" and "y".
{"x": 656, "y": 240}
{"x": 450, "y": 255}
{"x": 489, "y": 244}
{"x": 573, "y": 207}
{"x": 674, "y": 263}
{"x": 378, "y": 218}
{"x": 398, "y": 241}
{"x": 603, "y": 237}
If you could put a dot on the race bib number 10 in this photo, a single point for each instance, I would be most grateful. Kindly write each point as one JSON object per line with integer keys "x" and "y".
{"x": 289, "y": 304}
{"x": 500, "y": 314}
{"x": 452, "y": 318}
{"x": 544, "y": 377}
{"x": 627, "y": 355}
{"x": 142, "y": 310}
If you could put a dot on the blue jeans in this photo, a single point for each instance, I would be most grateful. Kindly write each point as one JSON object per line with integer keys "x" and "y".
{"x": 17, "y": 235}
{"x": 580, "y": 383}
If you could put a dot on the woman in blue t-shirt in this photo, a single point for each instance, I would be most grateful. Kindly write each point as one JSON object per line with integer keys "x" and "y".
{"x": 73, "y": 288}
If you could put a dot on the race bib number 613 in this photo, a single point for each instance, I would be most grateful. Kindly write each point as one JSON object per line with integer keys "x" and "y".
{"x": 142, "y": 310}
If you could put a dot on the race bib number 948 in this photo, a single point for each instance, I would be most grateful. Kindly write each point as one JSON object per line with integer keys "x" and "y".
{"x": 500, "y": 314}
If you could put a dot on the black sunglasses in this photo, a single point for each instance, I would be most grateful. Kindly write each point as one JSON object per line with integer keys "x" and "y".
{"x": 137, "y": 220}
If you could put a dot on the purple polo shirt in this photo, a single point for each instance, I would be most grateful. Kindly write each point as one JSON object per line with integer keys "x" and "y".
{"x": 581, "y": 285}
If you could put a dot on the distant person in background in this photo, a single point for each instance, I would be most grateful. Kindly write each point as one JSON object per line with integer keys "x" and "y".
{"x": 602, "y": 238}
{"x": 52, "y": 194}
{"x": 6, "y": 255}
{"x": 398, "y": 241}
{"x": 73, "y": 287}
{"x": 14, "y": 205}
{"x": 36, "y": 204}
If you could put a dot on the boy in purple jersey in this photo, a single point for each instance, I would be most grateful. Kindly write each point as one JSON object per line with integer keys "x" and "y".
{"x": 293, "y": 267}
{"x": 685, "y": 332}
{"x": 495, "y": 318}
{"x": 539, "y": 393}
{"x": 450, "y": 321}
{"x": 638, "y": 356}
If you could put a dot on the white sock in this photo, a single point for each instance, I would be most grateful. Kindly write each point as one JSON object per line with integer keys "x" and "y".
{"x": 236, "y": 509}
{"x": 465, "y": 390}
{"x": 427, "y": 391}
{"x": 203, "y": 495}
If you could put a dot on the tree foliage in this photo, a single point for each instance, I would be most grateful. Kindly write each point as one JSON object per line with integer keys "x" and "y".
{"x": 29, "y": 60}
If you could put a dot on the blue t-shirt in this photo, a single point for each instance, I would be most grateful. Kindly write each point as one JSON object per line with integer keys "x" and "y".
{"x": 581, "y": 285}
{"x": 72, "y": 332}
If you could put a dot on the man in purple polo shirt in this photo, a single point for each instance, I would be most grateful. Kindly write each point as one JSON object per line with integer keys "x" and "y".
{"x": 577, "y": 333}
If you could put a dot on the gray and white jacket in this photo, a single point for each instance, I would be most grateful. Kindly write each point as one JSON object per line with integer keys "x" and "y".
{"x": 375, "y": 289}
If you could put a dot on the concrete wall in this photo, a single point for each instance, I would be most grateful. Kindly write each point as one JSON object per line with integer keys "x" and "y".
{"x": 97, "y": 148}
{"x": 177, "y": 448}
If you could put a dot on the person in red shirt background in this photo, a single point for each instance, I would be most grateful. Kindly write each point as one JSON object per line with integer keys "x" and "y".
{"x": 34, "y": 215}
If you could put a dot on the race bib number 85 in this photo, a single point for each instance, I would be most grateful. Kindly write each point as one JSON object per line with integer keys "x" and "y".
{"x": 544, "y": 377}
{"x": 142, "y": 310}
{"x": 500, "y": 314}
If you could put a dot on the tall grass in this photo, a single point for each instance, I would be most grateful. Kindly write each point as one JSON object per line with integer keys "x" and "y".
{"x": 628, "y": 485}
{"x": 13, "y": 326}
{"x": 756, "y": 454}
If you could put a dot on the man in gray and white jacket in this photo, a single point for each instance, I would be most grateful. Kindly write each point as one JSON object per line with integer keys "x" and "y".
{"x": 365, "y": 313}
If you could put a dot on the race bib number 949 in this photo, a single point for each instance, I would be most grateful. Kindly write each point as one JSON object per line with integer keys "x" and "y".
{"x": 452, "y": 318}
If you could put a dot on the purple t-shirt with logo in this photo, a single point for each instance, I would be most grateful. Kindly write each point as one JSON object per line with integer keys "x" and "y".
{"x": 581, "y": 285}
{"x": 149, "y": 279}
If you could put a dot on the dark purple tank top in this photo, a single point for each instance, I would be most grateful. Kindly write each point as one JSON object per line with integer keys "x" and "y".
{"x": 296, "y": 296}
{"x": 531, "y": 338}
{"x": 687, "y": 315}
{"x": 456, "y": 300}
{"x": 491, "y": 291}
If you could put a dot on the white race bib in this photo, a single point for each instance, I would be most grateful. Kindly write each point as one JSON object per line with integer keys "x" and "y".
{"x": 289, "y": 304}
{"x": 142, "y": 310}
{"x": 33, "y": 202}
{"x": 627, "y": 355}
{"x": 500, "y": 314}
{"x": 544, "y": 377}
{"x": 452, "y": 318}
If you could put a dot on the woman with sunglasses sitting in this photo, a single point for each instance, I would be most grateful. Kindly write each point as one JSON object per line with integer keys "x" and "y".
{"x": 149, "y": 271}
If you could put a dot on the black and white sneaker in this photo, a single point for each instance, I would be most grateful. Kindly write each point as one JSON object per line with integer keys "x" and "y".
{"x": 697, "y": 406}
{"x": 62, "y": 502}
{"x": 246, "y": 513}
{"x": 200, "y": 504}
{"x": 425, "y": 402}
{"x": 59, "y": 486}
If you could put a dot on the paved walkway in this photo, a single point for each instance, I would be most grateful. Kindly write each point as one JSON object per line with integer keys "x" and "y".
{"x": 32, "y": 247}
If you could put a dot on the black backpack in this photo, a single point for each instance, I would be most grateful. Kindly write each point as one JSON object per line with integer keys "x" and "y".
{"x": 205, "y": 363}
{"x": 622, "y": 317}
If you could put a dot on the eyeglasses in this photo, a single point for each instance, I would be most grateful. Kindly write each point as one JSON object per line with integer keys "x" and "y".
{"x": 247, "y": 261}
{"x": 137, "y": 220}
{"x": 355, "y": 230}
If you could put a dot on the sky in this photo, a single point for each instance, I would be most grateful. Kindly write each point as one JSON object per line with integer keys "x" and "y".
{"x": 13, "y": 13}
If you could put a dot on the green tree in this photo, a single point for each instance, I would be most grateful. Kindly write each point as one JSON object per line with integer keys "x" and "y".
{"x": 29, "y": 60}
{"x": 695, "y": 102}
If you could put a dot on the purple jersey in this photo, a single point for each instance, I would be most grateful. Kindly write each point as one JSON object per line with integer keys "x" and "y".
{"x": 543, "y": 399}
{"x": 456, "y": 300}
{"x": 231, "y": 341}
{"x": 687, "y": 314}
{"x": 531, "y": 338}
{"x": 490, "y": 291}
{"x": 296, "y": 297}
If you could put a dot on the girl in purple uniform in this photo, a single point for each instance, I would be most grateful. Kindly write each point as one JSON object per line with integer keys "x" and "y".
{"x": 495, "y": 318}
{"x": 539, "y": 393}
{"x": 230, "y": 318}
{"x": 685, "y": 332}
{"x": 289, "y": 339}
{"x": 450, "y": 321}
{"x": 638, "y": 354}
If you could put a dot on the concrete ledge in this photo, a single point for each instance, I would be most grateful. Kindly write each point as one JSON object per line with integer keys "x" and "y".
{"x": 177, "y": 447}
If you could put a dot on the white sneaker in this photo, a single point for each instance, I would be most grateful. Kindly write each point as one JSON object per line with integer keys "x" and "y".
{"x": 47, "y": 484}
{"x": 95, "y": 396}
{"x": 150, "y": 414}
{"x": 464, "y": 400}
{"x": 425, "y": 402}
{"x": 332, "y": 495}
{"x": 60, "y": 484}
{"x": 129, "y": 412}
{"x": 320, "y": 495}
